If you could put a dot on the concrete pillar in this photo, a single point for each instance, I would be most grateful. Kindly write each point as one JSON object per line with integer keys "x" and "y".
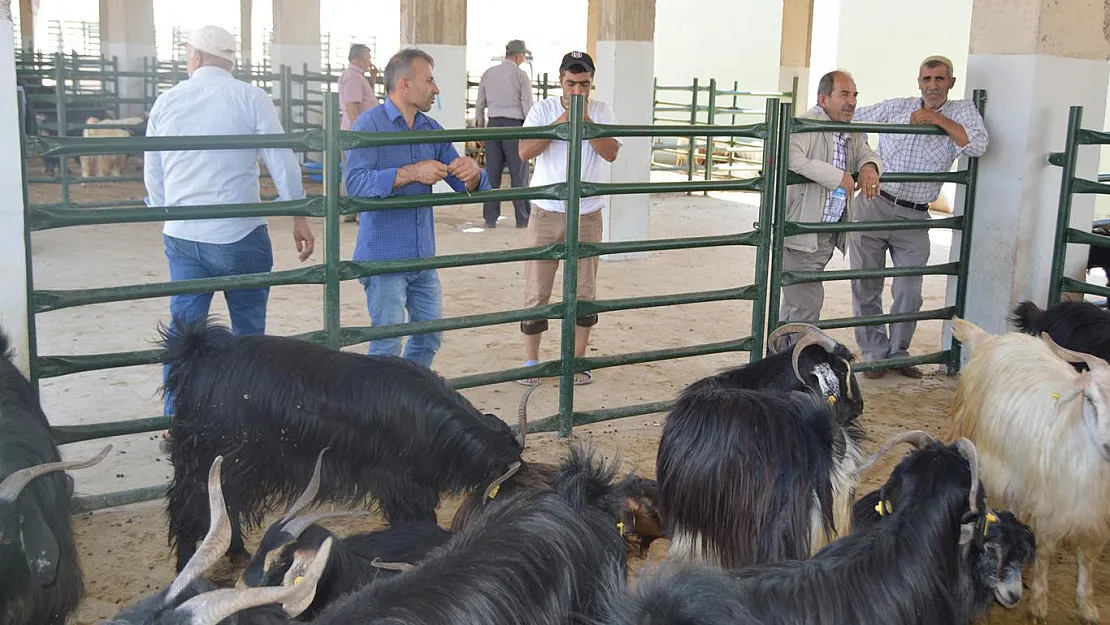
{"x": 824, "y": 44}
{"x": 27, "y": 11}
{"x": 592, "y": 22}
{"x": 13, "y": 252}
{"x": 625, "y": 63}
{"x": 245, "y": 17}
{"x": 438, "y": 27}
{"x": 1035, "y": 59}
{"x": 127, "y": 33}
{"x": 296, "y": 35}
{"x": 794, "y": 49}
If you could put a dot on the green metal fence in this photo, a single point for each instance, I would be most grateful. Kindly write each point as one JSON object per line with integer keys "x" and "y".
{"x": 331, "y": 141}
{"x": 1070, "y": 184}
{"x": 779, "y": 277}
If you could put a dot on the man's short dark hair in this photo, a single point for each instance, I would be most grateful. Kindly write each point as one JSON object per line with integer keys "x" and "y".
{"x": 825, "y": 85}
{"x": 357, "y": 50}
{"x": 400, "y": 65}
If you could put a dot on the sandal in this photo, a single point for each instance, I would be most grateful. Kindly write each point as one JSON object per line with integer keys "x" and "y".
{"x": 529, "y": 381}
{"x": 589, "y": 378}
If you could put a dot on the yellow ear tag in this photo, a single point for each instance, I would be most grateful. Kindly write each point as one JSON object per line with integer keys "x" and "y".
{"x": 991, "y": 518}
{"x": 620, "y": 527}
{"x": 880, "y": 506}
{"x": 1055, "y": 396}
{"x": 297, "y": 579}
{"x": 832, "y": 400}
{"x": 493, "y": 492}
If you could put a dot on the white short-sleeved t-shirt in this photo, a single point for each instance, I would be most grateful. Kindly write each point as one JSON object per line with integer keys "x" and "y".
{"x": 551, "y": 164}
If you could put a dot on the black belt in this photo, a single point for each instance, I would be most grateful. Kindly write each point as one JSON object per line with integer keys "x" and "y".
{"x": 906, "y": 203}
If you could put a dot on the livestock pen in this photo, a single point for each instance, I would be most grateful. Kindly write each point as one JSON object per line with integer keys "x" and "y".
{"x": 703, "y": 255}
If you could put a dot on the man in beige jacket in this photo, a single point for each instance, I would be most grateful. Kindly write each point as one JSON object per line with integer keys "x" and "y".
{"x": 826, "y": 158}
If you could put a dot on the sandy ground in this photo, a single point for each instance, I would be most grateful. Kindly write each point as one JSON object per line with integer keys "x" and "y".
{"x": 124, "y": 551}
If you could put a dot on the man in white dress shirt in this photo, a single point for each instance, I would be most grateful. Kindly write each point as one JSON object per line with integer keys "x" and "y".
{"x": 213, "y": 102}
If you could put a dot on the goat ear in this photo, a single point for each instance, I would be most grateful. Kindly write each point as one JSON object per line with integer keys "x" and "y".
{"x": 302, "y": 559}
{"x": 40, "y": 547}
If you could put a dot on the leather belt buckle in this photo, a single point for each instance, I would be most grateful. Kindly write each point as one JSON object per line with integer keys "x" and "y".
{"x": 905, "y": 203}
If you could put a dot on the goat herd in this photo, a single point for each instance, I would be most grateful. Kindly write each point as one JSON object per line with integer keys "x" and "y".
{"x": 755, "y": 485}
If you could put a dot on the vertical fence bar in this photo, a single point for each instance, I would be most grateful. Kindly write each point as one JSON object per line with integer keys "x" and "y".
{"x": 710, "y": 141}
{"x": 782, "y": 172}
{"x": 63, "y": 127}
{"x": 286, "y": 95}
{"x": 570, "y": 266}
{"x": 732, "y": 121}
{"x": 979, "y": 98}
{"x": 332, "y": 180}
{"x": 692, "y": 149}
{"x": 1063, "y": 215}
{"x": 766, "y": 214}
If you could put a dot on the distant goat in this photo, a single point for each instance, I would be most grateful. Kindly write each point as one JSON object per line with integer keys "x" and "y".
{"x": 1079, "y": 326}
{"x": 1044, "y": 432}
{"x": 103, "y": 165}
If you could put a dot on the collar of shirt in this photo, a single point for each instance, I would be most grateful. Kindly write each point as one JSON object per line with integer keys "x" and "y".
{"x": 210, "y": 71}
{"x": 420, "y": 122}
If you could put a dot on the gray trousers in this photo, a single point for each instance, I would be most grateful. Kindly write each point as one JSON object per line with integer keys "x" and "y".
{"x": 498, "y": 154}
{"x": 868, "y": 250}
{"x": 802, "y": 302}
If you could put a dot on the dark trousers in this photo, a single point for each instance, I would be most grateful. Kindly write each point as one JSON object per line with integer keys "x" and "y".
{"x": 499, "y": 154}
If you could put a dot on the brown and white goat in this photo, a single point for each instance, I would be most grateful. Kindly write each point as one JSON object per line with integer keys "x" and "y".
{"x": 1043, "y": 433}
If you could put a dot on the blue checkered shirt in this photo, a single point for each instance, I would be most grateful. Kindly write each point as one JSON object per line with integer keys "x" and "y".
{"x": 396, "y": 233}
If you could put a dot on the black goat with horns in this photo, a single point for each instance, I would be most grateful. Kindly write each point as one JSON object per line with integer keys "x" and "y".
{"x": 904, "y": 569}
{"x": 40, "y": 576}
{"x": 754, "y": 463}
{"x": 398, "y": 432}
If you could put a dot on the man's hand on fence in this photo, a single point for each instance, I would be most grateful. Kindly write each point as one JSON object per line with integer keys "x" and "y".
{"x": 302, "y": 237}
{"x": 466, "y": 169}
{"x": 869, "y": 180}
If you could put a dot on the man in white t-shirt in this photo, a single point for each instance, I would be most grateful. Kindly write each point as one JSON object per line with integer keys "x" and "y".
{"x": 547, "y": 223}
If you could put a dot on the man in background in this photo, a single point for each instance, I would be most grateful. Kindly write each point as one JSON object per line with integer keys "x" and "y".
{"x": 507, "y": 91}
{"x": 356, "y": 95}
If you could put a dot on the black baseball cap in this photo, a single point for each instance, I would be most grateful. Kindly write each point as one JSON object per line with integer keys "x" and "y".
{"x": 576, "y": 59}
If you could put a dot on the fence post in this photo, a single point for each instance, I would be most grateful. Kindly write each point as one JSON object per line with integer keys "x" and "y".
{"x": 732, "y": 121}
{"x": 766, "y": 215}
{"x": 63, "y": 127}
{"x": 709, "y": 139}
{"x": 979, "y": 97}
{"x": 692, "y": 149}
{"x": 332, "y": 180}
{"x": 286, "y": 94}
{"x": 570, "y": 267}
{"x": 782, "y": 173}
{"x": 545, "y": 85}
{"x": 1063, "y": 215}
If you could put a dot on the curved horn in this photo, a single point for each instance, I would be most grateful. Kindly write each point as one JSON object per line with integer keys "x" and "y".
{"x": 392, "y": 566}
{"x": 214, "y": 606}
{"x": 1071, "y": 356}
{"x": 968, "y": 451}
{"x": 813, "y": 338}
{"x": 215, "y": 542}
{"x": 17, "y": 480}
{"x": 522, "y": 414}
{"x": 917, "y": 438}
{"x": 492, "y": 489}
{"x": 790, "y": 328}
{"x": 309, "y": 492}
{"x": 299, "y": 524}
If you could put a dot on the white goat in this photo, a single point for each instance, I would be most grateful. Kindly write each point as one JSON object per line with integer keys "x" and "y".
{"x": 1043, "y": 434}
{"x": 103, "y": 165}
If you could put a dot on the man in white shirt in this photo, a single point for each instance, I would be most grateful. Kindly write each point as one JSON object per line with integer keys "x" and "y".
{"x": 547, "y": 223}
{"x": 213, "y": 102}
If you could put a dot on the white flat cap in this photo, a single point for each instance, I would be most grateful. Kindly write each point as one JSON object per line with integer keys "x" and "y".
{"x": 213, "y": 40}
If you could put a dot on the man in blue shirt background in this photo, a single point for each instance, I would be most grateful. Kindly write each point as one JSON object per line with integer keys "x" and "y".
{"x": 408, "y": 232}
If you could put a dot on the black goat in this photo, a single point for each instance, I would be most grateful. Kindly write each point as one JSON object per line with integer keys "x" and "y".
{"x": 535, "y": 557}
{"x": 40, "y": 575}
{"x": 399, "y": 434}
{"x": 902, "y": 570}
{"x": 749, "y": 477}
{"x": 1076, "y": 325}
{"x": 290, "y": 545}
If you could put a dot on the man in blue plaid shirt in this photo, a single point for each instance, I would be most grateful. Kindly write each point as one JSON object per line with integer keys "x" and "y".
{"x": 399, "y": 170}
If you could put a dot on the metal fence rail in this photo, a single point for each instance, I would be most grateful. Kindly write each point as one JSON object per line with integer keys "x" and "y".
{"x": 784, "y": 228}
{"x": 331, "y": 141}
{"x": 1070, "y": 184}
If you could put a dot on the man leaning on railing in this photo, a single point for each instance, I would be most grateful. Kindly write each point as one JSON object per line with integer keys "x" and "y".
{"x": 828, "y": 159}
{"x": 966, "y": 135}
{"x": 405, "y": 233}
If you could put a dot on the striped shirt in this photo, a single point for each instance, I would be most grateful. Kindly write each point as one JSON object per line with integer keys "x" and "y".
{"x": 904, "y": 153}
{"x": 835, "y": 202}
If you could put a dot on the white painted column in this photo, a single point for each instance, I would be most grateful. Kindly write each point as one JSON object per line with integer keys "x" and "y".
{"x": 1035, "y": 60}
{"x": 438, "y": 27}
{"x": 28, "y": 10}
{"x": 296, "y": 35}
{"x": 625, "y": 65}
{"x": 13, "y": 252}
{"x": 794, "y": 48}
{"x": 127, "y": 33}
{"x": 824, "y": 47}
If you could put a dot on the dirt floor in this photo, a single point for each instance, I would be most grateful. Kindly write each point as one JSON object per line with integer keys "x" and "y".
{"x": 124, "y": 552}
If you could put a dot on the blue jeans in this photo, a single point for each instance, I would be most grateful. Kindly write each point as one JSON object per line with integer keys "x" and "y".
{"x": 387, "y": 298}
{"x": 247, "y": 307}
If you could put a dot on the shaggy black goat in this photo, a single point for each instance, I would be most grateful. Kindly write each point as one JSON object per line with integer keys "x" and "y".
{"x": 816, "y": 362}
{"x": 990, "y": 574}
{"x": 535, "y": 557}
{"x": 1079, "y": 326}
{"x": 399, "y": 434}
{"x": 749, "y": 477}
{"x": 40, "y": 576}
{"x": 903, "y": 570}
{"x": 290, "y": 546}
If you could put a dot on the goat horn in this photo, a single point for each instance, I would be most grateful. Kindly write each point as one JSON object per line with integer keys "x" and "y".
{"x": 968, "y": 451}
{"x": 214, "y": 606}
{"x": 790, "y": 328}
{"x": 310, "y": 491}
{"x": 813, "y": 338}
{"x": 299, "y": 524}
{"x": 522, "y": 414}
{"x": 1069, "y": 355}
{"x": 392, "y": 566}
{"x": 17, "y": 480}
{"x": 917, "y": 438}
{"x": 513, "y": 468}
{"x": 215, "y": 543}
